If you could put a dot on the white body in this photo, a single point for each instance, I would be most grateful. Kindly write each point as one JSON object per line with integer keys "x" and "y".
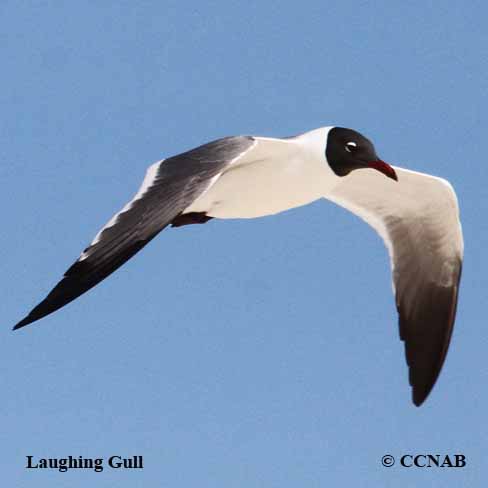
{"x": 272, "y": 176}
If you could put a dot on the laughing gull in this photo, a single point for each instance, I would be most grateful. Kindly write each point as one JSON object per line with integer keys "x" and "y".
{"x": 415, "y": 214}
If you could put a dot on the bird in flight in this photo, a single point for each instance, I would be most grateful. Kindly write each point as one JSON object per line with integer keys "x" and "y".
{"x": 415, "y": 214}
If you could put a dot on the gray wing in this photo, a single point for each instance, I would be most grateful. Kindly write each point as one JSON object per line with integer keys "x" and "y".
{"x": 418, "y": 219}
{"x": 169, "y": 187}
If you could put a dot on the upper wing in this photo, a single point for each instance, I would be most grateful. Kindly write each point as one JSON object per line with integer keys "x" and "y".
{"x": 418, "y": 219}
{"x": 169, "y": 187}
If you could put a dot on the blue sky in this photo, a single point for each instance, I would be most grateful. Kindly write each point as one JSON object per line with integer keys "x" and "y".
{"x": 258, "y": 353}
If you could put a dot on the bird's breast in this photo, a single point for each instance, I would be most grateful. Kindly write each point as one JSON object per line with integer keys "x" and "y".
{"x": 263, "y": 187}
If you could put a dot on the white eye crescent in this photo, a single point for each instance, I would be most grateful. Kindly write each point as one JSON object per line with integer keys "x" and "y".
{"x": 350, "y": 145}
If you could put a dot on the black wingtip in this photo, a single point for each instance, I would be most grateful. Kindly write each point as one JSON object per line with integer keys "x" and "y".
{"x": 25, "y": 321}
{"x": 418, "y": 401}
{"x": 44, "y": 308}
{"x": 420, "y": 395}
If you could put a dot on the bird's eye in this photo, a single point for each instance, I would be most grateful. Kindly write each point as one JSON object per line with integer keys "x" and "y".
{"x": 350, "y": 146}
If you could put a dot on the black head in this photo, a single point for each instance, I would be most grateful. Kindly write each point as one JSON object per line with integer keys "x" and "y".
{"x": 348, "y": 150}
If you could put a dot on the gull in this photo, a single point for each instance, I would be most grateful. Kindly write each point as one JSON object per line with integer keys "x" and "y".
{"x": 244, "y": 177}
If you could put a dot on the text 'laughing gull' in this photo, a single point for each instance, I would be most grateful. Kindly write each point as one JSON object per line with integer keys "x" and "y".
{"x": 416, "y": 215}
